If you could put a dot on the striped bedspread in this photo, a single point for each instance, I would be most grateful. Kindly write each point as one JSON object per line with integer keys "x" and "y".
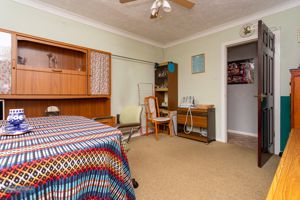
{"x": 65, "y": 157}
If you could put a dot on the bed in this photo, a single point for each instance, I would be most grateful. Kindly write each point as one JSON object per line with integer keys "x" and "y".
{"x": 65, "y": 157}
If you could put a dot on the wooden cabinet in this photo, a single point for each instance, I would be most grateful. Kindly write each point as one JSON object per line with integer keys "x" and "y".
{"x": 295, "y": 98}
{"x": 166, "y": 85}
{"x": 36, "y": 73}
{"x": 201, "y": 126}
{"x": 45, "y": 68}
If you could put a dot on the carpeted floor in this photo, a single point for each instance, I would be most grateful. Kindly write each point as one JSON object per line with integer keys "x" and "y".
{"x": 175, "y": 168}
{"x": 243, "y": 140}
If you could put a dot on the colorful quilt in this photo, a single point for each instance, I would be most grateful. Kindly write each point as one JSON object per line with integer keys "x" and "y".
{"x": 65, "y": 157}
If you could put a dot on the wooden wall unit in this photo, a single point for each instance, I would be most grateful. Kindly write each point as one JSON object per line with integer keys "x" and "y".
{"x": 46, "y": 72}
{"x": 62, "y": 74}
{"x": 295, "y": 98}
{"x": 166, "y": 86}
{"x": 91, "y": 107}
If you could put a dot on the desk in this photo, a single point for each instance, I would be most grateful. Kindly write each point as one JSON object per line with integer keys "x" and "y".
{"x": 64, "y": 157}
{"x": 286, "y": 182}
{"x": 201, "y": 118}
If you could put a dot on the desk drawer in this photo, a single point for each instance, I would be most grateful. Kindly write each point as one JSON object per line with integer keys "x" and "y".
{"x": 198, "y": 121}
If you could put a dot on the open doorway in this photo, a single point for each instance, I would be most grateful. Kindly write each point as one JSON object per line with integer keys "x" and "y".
{"x": 242, "y": 86}
{"x": 263, "y": 100}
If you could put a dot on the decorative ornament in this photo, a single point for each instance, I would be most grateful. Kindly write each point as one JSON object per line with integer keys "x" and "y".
{"x": 247, "y": 30}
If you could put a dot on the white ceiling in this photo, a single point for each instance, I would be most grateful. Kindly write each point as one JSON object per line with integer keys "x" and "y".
{"x": 181, "y": 23}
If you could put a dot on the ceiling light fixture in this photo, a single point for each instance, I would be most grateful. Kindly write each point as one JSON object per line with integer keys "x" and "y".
{"x": 157, "y": 4}
{"x": 166, "y": 6}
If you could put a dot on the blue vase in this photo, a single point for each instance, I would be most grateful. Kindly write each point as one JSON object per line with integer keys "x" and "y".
{"x": 15, "y": 118}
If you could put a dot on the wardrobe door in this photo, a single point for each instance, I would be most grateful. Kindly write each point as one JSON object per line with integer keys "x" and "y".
{"x": 5, "y": 63}
{"x": 100, "y": 73}
{"x": 295, "y": 98}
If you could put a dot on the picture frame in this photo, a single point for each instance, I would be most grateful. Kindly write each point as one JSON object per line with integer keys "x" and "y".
{"x": 240, "y": 72}
{"x": 198, "y": 63}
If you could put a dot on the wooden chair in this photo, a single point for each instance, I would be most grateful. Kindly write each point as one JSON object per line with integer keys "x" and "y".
{"x": 153, "y": 115}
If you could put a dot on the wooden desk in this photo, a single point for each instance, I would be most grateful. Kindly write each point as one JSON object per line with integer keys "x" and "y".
{"x": 202, "y": 118}
{"x": 286, "y": 182}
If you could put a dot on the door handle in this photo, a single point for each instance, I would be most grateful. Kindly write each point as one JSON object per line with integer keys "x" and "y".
{"x": 262, "y": 97}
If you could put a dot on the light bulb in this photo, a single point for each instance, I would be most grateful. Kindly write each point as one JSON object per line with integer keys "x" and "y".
{"x": 166, "y": 6}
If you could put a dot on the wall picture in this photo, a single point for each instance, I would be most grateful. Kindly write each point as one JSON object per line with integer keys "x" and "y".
{"x": 240, "y": 72}
{"x": 198, "y": 63}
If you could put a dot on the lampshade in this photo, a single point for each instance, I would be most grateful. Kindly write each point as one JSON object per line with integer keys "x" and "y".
{"x": 166, "y": 6}
{"x": 158, "y": 3}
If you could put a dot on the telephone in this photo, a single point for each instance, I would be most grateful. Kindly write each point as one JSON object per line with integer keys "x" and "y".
{"x": 187, "y": 102}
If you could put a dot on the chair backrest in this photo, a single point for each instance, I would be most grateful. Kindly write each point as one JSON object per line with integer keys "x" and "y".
{"x": 152, "y": 109}
{"x": 130, "y": 114}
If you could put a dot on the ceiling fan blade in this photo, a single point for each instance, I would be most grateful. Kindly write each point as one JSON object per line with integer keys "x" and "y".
{"x": 126, "y": 1}
{"x": 184, "y": 3}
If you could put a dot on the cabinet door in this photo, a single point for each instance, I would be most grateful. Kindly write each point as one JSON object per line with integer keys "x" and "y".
{"x": 99, "y": 73}
{"x": 73, "y": 84}
{"x": 50, "y": 83}
{"x": 5, "y": 62}
{"x": 36, "y": 82}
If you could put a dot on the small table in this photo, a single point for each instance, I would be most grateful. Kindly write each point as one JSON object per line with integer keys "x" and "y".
{"x": 64, "y": 157}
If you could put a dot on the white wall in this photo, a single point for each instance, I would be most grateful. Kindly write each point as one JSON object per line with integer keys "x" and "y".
{"x": 125, "y": 74}
{"x": 241, "y": 103}
{"x": 207, "y": 86}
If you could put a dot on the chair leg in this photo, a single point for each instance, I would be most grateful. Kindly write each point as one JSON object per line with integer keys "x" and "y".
{"x": 147, "y": 127}
{"x": 130, "y": 134}
{"x": 156, "y": 130}
{"x": 170, "y": 128}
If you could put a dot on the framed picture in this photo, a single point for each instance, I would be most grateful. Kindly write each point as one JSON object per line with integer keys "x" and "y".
{"x": 198, "y": 63}
{"x": 240, "y": 72}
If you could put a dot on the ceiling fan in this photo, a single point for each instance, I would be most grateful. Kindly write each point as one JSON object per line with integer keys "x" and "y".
{"x": 164, "y": 5}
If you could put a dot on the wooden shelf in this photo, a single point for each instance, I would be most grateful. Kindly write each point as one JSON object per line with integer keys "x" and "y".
{"x": 194, "y": 136}
{"x": 161, "y": 89}
{"x": 54, "y": 96}
{"x": 50, "y": 70}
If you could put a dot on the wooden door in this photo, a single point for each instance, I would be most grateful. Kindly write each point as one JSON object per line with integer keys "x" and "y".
{"x": 266, "y": 48}
{"x": 295, "y": 98}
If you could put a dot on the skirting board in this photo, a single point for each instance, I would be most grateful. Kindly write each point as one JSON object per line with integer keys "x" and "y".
{"x": 242, "y": 133}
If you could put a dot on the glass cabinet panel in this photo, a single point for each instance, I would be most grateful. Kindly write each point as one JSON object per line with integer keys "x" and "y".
{"x": 100, "y": 73}
{"x": 5, "y": 63}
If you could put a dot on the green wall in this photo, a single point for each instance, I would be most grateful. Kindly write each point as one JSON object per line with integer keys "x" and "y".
{"x": 126, "y": 74}
{"x": 207, "y": 86}
{"x": 25, "y": 19}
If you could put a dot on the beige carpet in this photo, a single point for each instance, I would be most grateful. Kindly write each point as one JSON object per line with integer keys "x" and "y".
{"x": 175, "y": 168}
{"x": 243, "y": 140}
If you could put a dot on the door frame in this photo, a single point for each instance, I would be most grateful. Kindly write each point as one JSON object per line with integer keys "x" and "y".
{"x": 241, "y": 41}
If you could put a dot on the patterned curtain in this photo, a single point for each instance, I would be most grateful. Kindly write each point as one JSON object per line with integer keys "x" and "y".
{"x": 5, "y": 77}
{"x": 100, "y": 73}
